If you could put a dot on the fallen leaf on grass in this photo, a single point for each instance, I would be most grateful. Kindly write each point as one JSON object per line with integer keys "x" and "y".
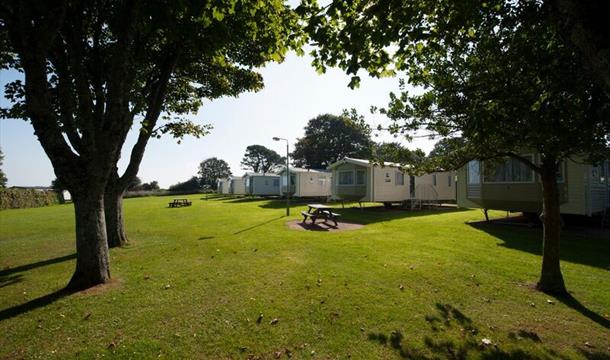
{"x": 486, "y": 342}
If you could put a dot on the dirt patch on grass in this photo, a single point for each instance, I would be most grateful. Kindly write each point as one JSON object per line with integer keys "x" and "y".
{"x": 102, "y": 288}
{"x": 320, "y": 226}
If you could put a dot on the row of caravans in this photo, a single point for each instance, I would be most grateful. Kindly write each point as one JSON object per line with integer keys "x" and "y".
{"x": 303, "y": 183}
{"x": 347, "y": 180}
{"x": 509, "y": 186}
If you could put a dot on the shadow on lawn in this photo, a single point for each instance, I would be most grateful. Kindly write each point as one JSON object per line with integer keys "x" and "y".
{"x": 257, "y": 225}
{"x": 10, "y": 280}
{"x": 456, "y": 337}
{"x": 571, "y": 302}
{"x": 365, "y": 215}
{"x": 34, "y": 304}
{"x": 26, "y": 267}
{"x": 577, "y": 249}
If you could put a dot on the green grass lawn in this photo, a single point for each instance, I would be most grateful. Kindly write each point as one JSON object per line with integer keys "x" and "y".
{"x": 193, "y": 282}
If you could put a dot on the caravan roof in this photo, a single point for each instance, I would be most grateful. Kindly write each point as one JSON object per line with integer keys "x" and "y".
{"x": 361, "y": 162}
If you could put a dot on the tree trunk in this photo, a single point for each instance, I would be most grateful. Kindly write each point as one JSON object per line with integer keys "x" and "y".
{"x": 551, "y": 279}
{"x": 113, "y": 208}
{"x": 92, "y": 266}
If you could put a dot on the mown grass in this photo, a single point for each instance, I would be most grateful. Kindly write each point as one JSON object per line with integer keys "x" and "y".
{"x": 194, "y": 281}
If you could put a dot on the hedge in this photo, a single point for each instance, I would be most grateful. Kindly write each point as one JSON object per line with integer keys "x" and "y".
{"x": 26, "y": 198}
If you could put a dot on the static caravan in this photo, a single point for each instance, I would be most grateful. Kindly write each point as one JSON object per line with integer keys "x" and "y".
{"x": 306, "y": 182}
{"x": 237, "y": 186}
{"x": 512, "y": 186}
{"x": 436, "y": 186}
{"x": 260, "y": 184}
{"x": 222, "y": 186}
{"x": 363, "y": 181}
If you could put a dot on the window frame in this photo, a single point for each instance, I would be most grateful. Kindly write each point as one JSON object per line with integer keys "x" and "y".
{"x": 468, "y": 174}
{"x": 533, "y": 177}
{"x": 353, "y": 178}
{"x": 402, "y": 177}
{"x": 363, "y": 172}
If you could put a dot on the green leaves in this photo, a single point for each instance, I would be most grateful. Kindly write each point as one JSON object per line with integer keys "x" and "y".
{"x": 495, "y": 74}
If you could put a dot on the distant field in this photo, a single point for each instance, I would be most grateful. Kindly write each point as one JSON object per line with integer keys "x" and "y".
{"x": 226, "y": 278}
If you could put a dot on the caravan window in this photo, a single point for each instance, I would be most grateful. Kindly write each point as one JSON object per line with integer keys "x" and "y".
{"x": 511, "y": 170}
{"x": 449, "y": 180}
{"x": 346, "y": 178}
{"x": 474, "y": 172}
{"x": 400, "y": 178}
{"x": 276, "y": 182}
{"x": 360, "y": 177}
{"x": 434, "y": 179}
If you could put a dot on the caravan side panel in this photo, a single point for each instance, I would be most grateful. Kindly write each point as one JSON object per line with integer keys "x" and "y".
{"x": 384, "y": 185}
{"x": 438, "y": 186}
{"x": 462, "y": 190}
{"x": 266, "y": 185}
{"x": 314, "y": 184}
{"x": 577, "y": 178}
{"x": 238, "y": 187}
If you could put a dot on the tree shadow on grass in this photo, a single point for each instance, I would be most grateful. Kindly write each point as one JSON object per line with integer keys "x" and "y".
{"x": 250, "y": 199}
{"x": 26, "y": 267}
{"x": 571, "y": 302}
{"x": 455, "y": 338}
{"x": 365, "y": 215}
{"x": 34, "y": 304}
{"x": 576, "y": 249}
{"x": 10, "y": 280}
{"x": 257, "y": 225}
{"x": 593, "y": 354}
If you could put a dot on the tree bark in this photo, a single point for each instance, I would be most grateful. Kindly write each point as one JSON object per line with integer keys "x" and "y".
{"x": 92, "y": 267}
{"x": 551, "y": 279}
{"x": 113, "y": 208}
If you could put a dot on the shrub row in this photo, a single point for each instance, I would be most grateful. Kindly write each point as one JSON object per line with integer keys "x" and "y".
{"x": 26, "y": 198}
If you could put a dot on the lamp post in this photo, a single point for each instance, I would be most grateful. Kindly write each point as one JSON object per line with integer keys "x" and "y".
{"x": 287, "y": 175}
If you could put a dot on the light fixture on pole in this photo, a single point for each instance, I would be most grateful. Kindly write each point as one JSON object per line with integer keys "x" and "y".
{"x": 275, "y": 138}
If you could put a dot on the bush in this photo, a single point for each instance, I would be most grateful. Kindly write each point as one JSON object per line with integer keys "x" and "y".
{"x": 26, "y": 198}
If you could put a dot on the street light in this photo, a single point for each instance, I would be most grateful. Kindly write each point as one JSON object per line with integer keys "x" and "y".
{"x": 275, "y": 138}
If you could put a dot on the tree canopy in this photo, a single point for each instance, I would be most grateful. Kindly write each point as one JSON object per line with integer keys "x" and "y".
{"x": 191, "y": 184}
{"x": 261, "y": 159}
{"x": 211, "y": 170}
{"x": 395, "y": 152}
{"x": 329, "y": 138}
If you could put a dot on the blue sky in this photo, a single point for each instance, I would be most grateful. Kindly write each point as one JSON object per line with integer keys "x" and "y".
{"x": 293, "y": 94}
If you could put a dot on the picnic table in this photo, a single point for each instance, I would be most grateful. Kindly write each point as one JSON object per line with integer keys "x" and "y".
{"x": 319, "y": 211}
{"x": 180, "y": 203}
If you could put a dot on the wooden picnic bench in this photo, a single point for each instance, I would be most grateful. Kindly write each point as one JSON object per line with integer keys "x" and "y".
{"x": 180, "y": 203}
{"x": 319, "y": 211}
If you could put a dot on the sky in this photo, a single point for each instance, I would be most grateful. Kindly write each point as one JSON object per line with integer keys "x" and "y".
{"x": 293, "y": 94}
